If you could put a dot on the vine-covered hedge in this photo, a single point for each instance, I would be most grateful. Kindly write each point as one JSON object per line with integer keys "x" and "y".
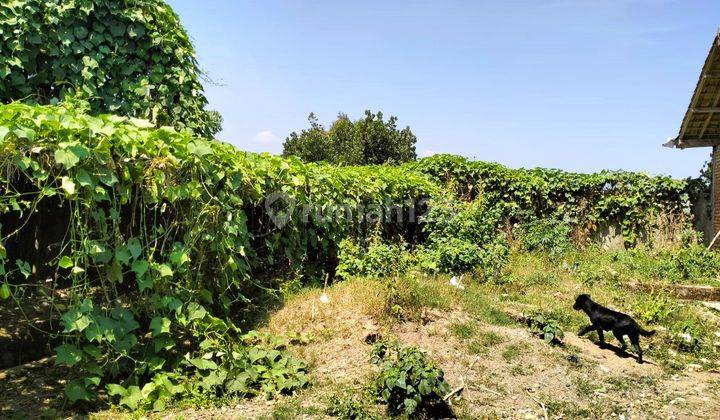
{"x": 629, "y": 199}
{"x": 164, "y": 241}
{"x": 159, "y": 237}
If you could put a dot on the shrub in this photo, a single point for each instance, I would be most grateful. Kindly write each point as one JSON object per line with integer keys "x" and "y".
{"x": 349, "y": 406}
{"x": 655, "y": 308}
{"x": 408, "y": 383}
{"x": 377, "y": 259}
{"x": 162, "y": 242}
{"x": 464, "y": 237}
{"x": 695, "y": 262}
{"x": 129, "y": 58}
{"x": 688, "y": 335}
{"x": 546, "y": 235}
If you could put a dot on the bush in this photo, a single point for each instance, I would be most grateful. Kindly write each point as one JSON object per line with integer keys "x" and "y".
{"x": 408, "y": 383}
{"x": 688, "y": 336}
{"x": 163, "y": 241}
{"x": 655, "y": 308}
{"x": 695, "y": 262}
{"x": 129, "y": 58}
{"x": 349, "y": 406}
{"x": 377, "y": 259}
{"x": 464, "y": 237}
{"x": 546, "y": 235}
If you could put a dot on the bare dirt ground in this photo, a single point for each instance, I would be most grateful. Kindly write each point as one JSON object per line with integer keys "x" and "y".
{"x": 504, "y": 371}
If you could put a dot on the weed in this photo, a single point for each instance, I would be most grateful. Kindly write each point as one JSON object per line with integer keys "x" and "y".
{"x": 547, "y": 328}
{"x": 655, "y": 308}
{"x": 463, "y": 330}
{"x": 408, "y": 383}
{"x": 349, "y": 405}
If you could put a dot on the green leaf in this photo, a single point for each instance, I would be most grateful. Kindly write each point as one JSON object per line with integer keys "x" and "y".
{"x": 67, "y": 355}
{"x": 66, "y": 158}
{"x": 68, "y": 185}
{"x": 140, "y": 267}
{"x": 75, "y": 391}
{"x": 85, "y": 179}
{"x": 410, "y": 405}
{"x": 122, "y": 255}
{"x": 164, "y": 270}
{"x": 24, "y": 267}
{"x": 159, "y": 325}
{"x": 74, "y": 320}
{"x": 144, "y": 283}
{"x": 195, "y": 311}
{"x": 132, "y": 397}
{"x": 115, "y": 390}
{"x": 199, "y": 147}
{"x": 203, "y": 364}
{"x": 5, "y": 291}
{"x": 66, "y": 262}
{"x": 135, "y": 247}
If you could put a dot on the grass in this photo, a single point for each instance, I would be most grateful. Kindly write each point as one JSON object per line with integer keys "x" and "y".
{"x": 464, "y": 330}
{"x": 512, "y": 352}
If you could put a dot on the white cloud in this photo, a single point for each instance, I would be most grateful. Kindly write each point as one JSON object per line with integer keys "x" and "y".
{"x": 428, "y": 153}
{"x": 265, "y": 136}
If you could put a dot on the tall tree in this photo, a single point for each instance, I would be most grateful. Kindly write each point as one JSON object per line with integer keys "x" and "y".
{"x": 129, "y": 57}
{"x": 368, "y": 141}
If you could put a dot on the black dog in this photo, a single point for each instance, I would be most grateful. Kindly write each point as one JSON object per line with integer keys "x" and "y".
{"x": 604, "y": 319}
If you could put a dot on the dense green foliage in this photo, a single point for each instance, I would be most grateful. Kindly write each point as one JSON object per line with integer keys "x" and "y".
{"x": 166, "y": 242}
{"x": 367, "y": 141}
{"x": 546, "y": 235}
{"x": 463, "y": 237}
{"x": 585, "y": 201}
{"x": 161, "y": 236}
{"x": 129, "y": 58}
{"x": 378, "y": 259}
{"x": 408, "y": 383}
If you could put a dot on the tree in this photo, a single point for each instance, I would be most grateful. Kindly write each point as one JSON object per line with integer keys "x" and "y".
{"x": 367, "y": 141}
{"x": 129, "y": 57}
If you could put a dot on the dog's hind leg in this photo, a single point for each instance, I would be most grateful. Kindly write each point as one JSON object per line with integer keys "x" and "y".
{"x": 620, "y": 338}
{"x": 635, "y": 341}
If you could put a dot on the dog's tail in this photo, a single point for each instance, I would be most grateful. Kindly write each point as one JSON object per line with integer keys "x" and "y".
{"x": 646, "y": 333}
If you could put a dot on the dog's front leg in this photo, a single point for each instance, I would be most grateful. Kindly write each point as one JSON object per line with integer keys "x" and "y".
{"x": 601, "y": 337}
{"x": 586, "y": 330}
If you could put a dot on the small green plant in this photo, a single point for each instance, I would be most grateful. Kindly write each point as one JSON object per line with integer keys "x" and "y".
{"x": 548, "y": 329}
{"x": 655, "y": 308}
{"x": 688, "y": 336}
{"x": 463, "y": 330}
{"x": 408, "y": 383}
{"x": 349, "y": 406}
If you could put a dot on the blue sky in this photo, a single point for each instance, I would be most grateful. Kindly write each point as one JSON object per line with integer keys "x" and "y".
{"x": 577, "y": 85}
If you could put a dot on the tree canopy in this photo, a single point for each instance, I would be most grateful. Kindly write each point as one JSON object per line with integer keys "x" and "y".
{"x": 368, "y": 141}
{"x": 129, "y": 57}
